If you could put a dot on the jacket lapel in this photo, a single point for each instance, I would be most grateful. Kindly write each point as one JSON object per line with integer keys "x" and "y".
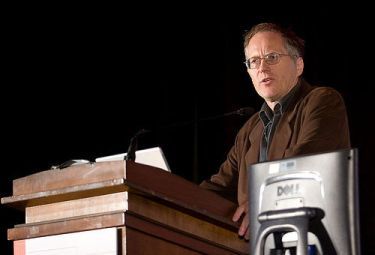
{"x": 252, "y": 155}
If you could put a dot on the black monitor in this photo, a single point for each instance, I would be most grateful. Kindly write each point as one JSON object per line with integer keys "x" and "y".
{"x": 322, "y": 188}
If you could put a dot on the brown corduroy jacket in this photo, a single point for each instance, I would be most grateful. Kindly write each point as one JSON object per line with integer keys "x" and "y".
{"x": 314, "y": 122}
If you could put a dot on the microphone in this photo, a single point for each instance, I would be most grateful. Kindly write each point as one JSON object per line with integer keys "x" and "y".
{"x": 245, "y": 111}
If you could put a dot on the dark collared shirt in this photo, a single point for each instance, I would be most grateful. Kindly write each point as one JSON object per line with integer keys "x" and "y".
{"x": 270, "y": 120}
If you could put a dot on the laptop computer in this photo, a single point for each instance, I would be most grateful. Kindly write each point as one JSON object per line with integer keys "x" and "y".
{"x": 152, "y": 157}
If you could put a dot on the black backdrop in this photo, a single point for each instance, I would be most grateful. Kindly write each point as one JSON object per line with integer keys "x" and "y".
{"x": 80, "y": 81}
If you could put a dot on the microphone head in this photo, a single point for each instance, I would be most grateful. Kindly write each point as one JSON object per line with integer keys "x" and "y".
{"x": 245, "y": 111}
{"x": 141, "y": 132}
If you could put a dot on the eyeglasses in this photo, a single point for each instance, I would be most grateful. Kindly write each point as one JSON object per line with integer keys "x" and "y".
{"x": 270, "y": 59}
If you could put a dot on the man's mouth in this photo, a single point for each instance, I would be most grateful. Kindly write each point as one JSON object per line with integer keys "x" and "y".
{"x": 266, "y": 80}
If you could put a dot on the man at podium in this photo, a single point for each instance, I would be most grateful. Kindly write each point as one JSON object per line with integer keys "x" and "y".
{"x": 295, "y": 118}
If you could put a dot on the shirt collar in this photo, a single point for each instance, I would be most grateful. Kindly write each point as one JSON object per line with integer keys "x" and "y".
{"x": 265, "y": 114}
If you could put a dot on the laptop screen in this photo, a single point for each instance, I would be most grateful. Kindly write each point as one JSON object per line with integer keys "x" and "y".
{"x": 152, "y": 157}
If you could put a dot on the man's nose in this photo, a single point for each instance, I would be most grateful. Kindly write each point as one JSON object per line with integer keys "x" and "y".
{"x": 263, "y": 65}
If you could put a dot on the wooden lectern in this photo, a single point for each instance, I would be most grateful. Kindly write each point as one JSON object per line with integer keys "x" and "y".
{"x": 152, "y": 211}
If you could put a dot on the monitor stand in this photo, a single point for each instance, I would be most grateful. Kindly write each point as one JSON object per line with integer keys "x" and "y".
{"x": 300, "y": 220}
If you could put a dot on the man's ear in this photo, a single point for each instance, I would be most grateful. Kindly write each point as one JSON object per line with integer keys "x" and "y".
{"x": 300, "y": 66}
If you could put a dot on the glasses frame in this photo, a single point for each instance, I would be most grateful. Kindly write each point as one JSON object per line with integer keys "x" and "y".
{"x": 266, "y": 59}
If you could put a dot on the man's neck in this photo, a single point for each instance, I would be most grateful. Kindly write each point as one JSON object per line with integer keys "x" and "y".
{"x": 271, "y": 104}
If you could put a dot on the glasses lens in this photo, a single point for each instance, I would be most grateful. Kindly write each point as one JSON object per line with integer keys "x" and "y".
{"x": 254, "y": 63}
{"x": 272, "y": 58}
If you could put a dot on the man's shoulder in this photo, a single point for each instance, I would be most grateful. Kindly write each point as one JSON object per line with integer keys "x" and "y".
{"x": 318, "y": 92}
{"x": 323, "y": 93}
{"x": 323, "y": 90}
{"x": 316, "y": 98}
{"x": 320, "y": 99}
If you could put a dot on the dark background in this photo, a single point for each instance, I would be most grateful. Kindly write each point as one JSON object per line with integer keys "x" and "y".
{"x": 80, "y": 81}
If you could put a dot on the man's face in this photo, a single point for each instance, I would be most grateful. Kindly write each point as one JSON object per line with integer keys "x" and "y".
{"x": 272, "y": 82}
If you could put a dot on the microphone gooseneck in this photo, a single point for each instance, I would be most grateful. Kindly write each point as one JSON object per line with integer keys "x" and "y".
{"x": 245, "y": 111}
{"x": 133, "y": 146}
{"x": 130, "y": 155}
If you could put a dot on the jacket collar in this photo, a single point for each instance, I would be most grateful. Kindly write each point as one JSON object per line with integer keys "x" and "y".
{"x": 283, "y": 131}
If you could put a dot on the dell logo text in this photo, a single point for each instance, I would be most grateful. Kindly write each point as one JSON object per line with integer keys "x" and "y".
{"x": 286, "y": 190}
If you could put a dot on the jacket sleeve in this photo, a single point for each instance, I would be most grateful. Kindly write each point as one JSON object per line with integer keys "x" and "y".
{"x": 225, "y": 181}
